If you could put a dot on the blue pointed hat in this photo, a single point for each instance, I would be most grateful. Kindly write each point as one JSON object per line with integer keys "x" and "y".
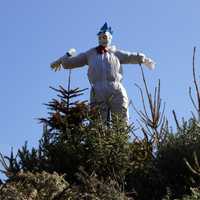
{"x": 104, "y": 29}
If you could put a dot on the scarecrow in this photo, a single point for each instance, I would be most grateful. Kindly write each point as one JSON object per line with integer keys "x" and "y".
{"x": 105, "y": 73}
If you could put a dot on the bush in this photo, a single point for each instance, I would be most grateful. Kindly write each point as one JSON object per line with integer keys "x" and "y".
{"x": 172, "y": 155}
{"x": 34, "y": 186}
{"x": 97, "y": 161}
{"x": 74, "y": 137}
{"x": 43, "y": 186}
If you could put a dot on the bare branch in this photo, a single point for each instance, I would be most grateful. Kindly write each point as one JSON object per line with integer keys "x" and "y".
{"x": 191, "y": 98}
{"x": 147, "y": 91}
{"x": 176, "y": 120}
{"x": 142, "y": 96}
{"x": 152, "y": 117}
{"x": 162, "y": 115}
{"x": 196, "y": 105}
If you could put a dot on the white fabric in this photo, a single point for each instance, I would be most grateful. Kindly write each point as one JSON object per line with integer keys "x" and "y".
{"x": 149, "y": 63}
{"x": 72, "y": 52}
{"x": 105, "y": 75}
{"x": 56, "y": 65}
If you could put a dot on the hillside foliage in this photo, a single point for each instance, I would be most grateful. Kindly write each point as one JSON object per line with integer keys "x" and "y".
{"x": 80, "y": 157}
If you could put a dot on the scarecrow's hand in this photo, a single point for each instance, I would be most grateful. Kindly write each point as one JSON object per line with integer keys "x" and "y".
{"x": 148, "y": 62}
{"x": 56, "y": 65}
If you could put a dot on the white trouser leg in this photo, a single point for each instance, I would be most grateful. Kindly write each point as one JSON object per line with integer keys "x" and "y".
{"x": 119, "y": 104}
{"x": 111, "y": 96}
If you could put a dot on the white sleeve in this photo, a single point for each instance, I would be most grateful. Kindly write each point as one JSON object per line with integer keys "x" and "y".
{"x": 126, "y": 57}
{"x": 73, "y": 62}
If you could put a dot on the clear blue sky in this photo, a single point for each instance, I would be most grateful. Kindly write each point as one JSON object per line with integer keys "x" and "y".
{"x": 36, "y": 32}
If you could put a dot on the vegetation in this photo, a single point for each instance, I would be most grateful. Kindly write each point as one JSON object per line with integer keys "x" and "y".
{"x": 80, "y": 157}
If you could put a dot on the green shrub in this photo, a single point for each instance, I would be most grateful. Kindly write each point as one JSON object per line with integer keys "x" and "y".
{"x": 74, "y": 137}
{"x": 76, "y": 141}
{"x": 170, "y": 158}
{"x": 33, "y": 186}
{"x": 45, "y": 186}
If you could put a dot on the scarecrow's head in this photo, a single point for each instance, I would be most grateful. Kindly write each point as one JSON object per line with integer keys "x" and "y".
{"x": 105, "y": 35}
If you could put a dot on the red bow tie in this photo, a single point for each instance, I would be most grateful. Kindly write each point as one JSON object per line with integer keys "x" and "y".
{"x": 101, "y": 49}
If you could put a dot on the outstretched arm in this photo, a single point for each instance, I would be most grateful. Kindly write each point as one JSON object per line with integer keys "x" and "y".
{"x": 69, "y": 62}
{"x": 126, "y": 57}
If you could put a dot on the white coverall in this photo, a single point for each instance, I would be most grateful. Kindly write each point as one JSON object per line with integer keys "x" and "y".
{"x": 105, "y": 76}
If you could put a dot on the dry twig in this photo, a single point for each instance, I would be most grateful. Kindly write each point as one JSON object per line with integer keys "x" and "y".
{"x": 153, "y": 123}
{"x": 195, "y": 104}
